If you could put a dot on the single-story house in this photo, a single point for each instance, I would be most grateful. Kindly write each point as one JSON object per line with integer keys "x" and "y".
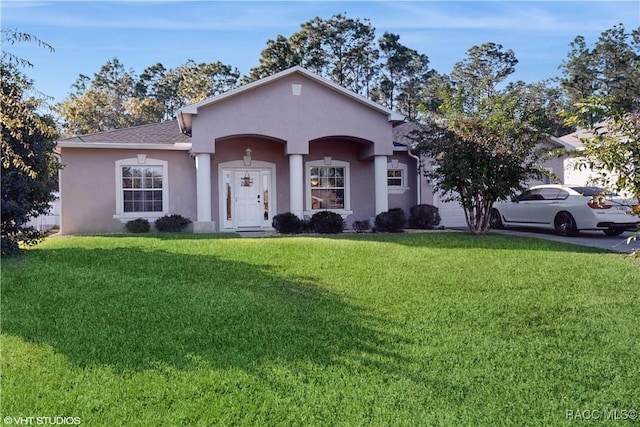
{"x": 291, "y": 142}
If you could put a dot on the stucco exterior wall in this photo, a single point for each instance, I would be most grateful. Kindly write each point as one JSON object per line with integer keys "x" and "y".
{"x": 361, "y": 175}
{"x": 407, "y": 198}
{"x": 262, "y": 149}
{"x": 88, "y": 187}
{"x": 273, "y": 110}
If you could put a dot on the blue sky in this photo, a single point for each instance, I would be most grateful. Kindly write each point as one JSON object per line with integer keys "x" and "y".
{"x": 86, "y": 34}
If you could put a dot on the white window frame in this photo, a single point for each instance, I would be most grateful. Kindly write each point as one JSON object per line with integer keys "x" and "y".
{"x": 140, "y": 160}
{"x": 328, "y": 162}
{"x": 402, "y": 188}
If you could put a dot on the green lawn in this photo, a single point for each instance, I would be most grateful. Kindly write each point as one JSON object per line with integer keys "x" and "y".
{"x": 410, "y": 329}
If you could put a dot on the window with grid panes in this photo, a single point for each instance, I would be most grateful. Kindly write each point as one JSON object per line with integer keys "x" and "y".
{"x": 142, "y": 188}
{"x": 327, "y": 187}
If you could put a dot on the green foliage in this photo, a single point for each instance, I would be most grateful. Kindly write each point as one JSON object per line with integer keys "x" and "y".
{"x": 612, "y": 146}
{"x": 391, "y": 221}
{"x": 288, "y": 223}
{"x": 404, "y": 73}
{"x": 326, "y": 222}
{"x": 406, "y": 329}
{"x": 11, "y": 37}
{"x": 344, "y": 50}
{"x": 361, "y": 226}
{"x": 116, "y": 98}
{"x": 139, "y": 225}
{"x": 340, "y": 48}
{"x": 610, "y": 69}
{"x": 423, "y": 217}
{"x": 172, "y": 223}
{"x": 484, "y": 144}
{"x": 29, "y": 166}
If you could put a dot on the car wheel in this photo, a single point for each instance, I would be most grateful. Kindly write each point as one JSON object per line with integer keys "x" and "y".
{"x": 613, "y": 231}
{"x": 565, "y": 225}
{"x": 496, "y": 220}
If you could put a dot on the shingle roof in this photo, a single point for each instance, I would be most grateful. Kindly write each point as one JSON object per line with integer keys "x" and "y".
{"x": 402, "y": 131}
{"x": 169, "y": 133}
{"x": 156, "y": 133}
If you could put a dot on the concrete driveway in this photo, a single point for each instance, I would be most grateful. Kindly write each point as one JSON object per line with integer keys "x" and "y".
{"x": 596, "y": 239}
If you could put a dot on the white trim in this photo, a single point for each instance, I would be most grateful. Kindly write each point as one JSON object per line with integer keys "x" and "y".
{"x": 134, "y": 162}
{"x": 347, "y": 186}
{"x": 296, "y": 185}
{"x": 402, "y": 167}
{"x": 380, "y": 183}
{"x": 203, "y": 187}
{"x": 235, "y": 166}
{"x": 181, "y": 146}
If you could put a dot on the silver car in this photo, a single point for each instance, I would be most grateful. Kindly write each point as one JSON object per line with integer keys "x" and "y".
{"x": 567, "y": 210}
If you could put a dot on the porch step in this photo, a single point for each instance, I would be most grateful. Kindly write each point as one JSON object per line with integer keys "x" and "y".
{"x": 255, "y": 233}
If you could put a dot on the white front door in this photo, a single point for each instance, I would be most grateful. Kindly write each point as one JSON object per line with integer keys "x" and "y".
{"x": 249, "y": 206}
{"x": 247, "y": 195}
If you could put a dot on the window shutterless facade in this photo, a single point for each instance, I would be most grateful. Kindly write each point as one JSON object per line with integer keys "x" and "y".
{"x": 141, "y": 188}
{"x": 396, "y": 177}
{"x": 327, "y": 186}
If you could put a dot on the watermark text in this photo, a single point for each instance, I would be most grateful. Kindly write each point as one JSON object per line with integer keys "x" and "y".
{"x": 41, "y": 421}
{"x": 601, "y": 414}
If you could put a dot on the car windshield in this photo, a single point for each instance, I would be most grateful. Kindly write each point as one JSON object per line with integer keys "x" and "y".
{"x": 592, "y": 191}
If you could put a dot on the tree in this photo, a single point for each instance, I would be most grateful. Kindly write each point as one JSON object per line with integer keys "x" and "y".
{"x": 29, "y": 167}
{"x": 340, "y": 48}
{"x": 484, "y": 144}
{"x": 610, "y": 69}
{"x": 404, "y": 75}
{"x": 613, "y": 145}
{"x": 279, "y": 55}
{"x": 107, "y": 102}
{"x": 350, "y": 52}
{"x": 161, "y": 85}
{"x": 199, "y": 81}
{"x": 116, "y": 98}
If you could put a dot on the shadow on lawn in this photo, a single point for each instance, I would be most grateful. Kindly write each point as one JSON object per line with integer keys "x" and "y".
{"x": 133, "y": 310}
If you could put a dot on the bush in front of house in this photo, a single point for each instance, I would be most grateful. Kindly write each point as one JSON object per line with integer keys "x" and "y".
{"x": 139, "y": 225}
{"x": 288, "y": 223}
{"x": 326, "y": 222}
{"x": 172, "y": 223}
{"x": 424, "y": 217}
{"x": 361, "y": 226}
{"x": 391, "y": 221}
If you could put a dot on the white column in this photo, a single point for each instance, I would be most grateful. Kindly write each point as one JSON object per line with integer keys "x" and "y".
{"x": 380, "y": 182}
{"x": 296, "y": 185}
{"x": 203, "y": 222}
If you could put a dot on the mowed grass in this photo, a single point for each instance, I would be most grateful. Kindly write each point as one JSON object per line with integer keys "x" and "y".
{"x": 383, "y": 330}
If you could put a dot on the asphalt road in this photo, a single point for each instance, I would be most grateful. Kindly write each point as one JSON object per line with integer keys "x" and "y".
{"x": 596, "y": 239}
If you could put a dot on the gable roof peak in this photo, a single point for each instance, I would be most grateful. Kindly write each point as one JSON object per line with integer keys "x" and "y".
{"x": 185, "y": 113}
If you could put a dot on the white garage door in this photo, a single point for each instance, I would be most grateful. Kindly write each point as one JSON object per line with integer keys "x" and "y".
{"x": 451, "y": 213}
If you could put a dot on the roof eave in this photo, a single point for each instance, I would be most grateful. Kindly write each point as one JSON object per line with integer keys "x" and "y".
{"x": 562, "y": 144}
{"x": 178, "y": 146}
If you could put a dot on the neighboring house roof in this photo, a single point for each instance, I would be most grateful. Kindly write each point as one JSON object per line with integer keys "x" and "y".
{"x": 573, "y": 139}
{"x": 563, "y": 142}
{"x": 165, "y": 135}
{"x": 402, "y": 132}
{"x": 185, "y": 113}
